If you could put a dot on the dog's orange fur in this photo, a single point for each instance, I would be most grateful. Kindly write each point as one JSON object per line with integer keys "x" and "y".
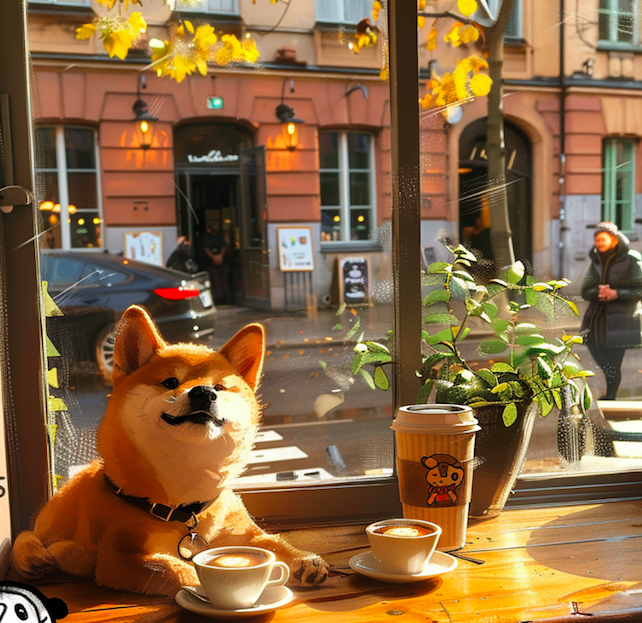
{"x": 86, "y": 530}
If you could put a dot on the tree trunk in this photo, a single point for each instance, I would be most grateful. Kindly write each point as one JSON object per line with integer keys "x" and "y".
{"x": 501, "y": 237}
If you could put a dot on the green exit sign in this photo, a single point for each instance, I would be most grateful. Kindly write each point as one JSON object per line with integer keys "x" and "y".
{"x": 215, "y": 103}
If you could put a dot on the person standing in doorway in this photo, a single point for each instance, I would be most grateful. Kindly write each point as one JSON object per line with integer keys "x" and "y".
{"x": 613, "y": 285}
{"x": 215, "y": 251}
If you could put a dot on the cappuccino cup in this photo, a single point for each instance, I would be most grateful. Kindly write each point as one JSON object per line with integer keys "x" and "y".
{"x": 403, "y": 545}
{"x": 233, "y": 578}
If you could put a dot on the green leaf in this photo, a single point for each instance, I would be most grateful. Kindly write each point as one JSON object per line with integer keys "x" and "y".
{"x": 459, "y": 289}
{"x": 573, "y": 306}
{"x": 491, "y": 310}
{"x": 323, "y": 364}
{"x": 487, "y": 376}
{"x": 341, "y": 309}
{"x": 438, "y": 267}
{"x": 368, "y": 378}
{"x": 587, "y": 398}
{"x": 516, "y": 273}
{"x": 436, "y": 296}
{"x": 441, "y": 336}
{"x": 353, "y": 329}
{"x": 510, "y": 414}
{"x": 499, "y": 282}
{"x": 543, "y": 368}
{"x": 432, "y": 360}
{"x": 424, "y": 392}
{"x": 462, "y": 252}
{"x": 377, "y": 347}
{"x": 573, "y": 339}
{"x": 499, "y": 325}
{"x": 502, "y": 366}
{"x": 529, "y": 340}
{"x": 441, "y": 319}
{"x": 557, "y": 397}
{"x": 525, "y": 328}
{"x": 464, "y": 275}
{"x": 502, "y": 387}
{"x": 357, "y": 363}
{"x": 337, "y": 327}
{"x": 544, "y": 406}
{"x": 380, "y": 379}
{"x": 492, "y": 347}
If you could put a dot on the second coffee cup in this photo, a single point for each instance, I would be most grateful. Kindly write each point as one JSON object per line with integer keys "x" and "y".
{"x": 233, "y": 578}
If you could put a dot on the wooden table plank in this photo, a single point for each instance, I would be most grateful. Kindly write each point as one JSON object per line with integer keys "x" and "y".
{"x": 540, "y": 565}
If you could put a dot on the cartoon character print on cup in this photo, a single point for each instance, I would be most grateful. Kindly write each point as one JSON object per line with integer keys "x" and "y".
{"x": 444, "y": 477}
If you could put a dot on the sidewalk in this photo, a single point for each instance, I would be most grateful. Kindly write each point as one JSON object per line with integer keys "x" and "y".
{"x": 298, "y": 329}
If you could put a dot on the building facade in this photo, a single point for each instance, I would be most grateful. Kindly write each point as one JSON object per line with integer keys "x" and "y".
{"x": 218, "y": 159}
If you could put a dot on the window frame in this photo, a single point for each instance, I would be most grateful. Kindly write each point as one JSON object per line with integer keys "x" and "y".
{"x": 200, "y": 8}
{"x": 345, "y": 207}
{"x": 515, "y": 19}
{"x": 62, "y": 174}
{"x": 337, "y": 20}
{"x": 610, "y": 171}
{"x": 23, "y": 332}
{"x": 613, "y": 41}
{"x": 64, "y": 3}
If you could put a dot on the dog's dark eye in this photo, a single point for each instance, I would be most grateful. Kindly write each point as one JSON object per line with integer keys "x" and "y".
{"x": 171, "y": 383}
{"x": 219, "y": 387}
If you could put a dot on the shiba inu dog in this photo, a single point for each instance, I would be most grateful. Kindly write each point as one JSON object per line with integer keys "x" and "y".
{"x": 179, "y": 425}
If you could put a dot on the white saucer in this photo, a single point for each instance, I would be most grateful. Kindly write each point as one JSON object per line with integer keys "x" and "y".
{"x": 271, "y": 599}
{"x": 368, "y": 565}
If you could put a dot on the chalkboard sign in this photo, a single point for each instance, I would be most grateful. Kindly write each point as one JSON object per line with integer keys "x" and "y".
{"x": 354, "y": 280}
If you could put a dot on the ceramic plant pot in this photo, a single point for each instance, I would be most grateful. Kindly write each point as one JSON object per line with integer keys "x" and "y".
{"x": 499, "y": 455}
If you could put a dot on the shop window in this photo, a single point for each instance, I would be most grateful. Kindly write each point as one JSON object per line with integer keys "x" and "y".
{"x": 618, "y": 182}
{"x": 343, "y": 11}
{"x": 514, "y": 26}
{"x": 67, "y": 187}
{"x": 347, "y": 193}
{"x": 618, "y": 23}
{"x": 209, "y": 6}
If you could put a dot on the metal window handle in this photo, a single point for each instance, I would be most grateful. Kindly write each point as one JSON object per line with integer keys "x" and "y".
{"x": 12, "y": 196}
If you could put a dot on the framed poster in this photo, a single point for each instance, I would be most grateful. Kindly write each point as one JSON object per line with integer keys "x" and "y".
{"x": 144, "y": 246}
{"x": 295, "y": 248}
{"x": 354, "y": 281}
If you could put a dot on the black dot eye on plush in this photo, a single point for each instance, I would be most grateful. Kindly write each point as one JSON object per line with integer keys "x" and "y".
{"x": 171, "y": 383}
{"x": 21, "y": 612}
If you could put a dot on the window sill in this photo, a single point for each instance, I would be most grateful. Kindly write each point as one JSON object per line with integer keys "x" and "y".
{"x": 606, "y": 46}
{"x": 539, "y": 565}
{"x": 46, "y": 8}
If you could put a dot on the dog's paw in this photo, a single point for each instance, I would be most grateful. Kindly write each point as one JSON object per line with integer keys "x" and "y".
{"x": 309, "y": 570}
{"x": 29, "y": 557}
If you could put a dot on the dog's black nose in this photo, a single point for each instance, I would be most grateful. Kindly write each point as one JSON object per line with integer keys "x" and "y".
{"x": 202, "y": 393}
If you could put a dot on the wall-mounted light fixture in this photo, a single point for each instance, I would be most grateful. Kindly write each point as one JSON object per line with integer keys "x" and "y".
{"x": 142, "y": 117}
{"x": 588, "y": 67}
{"x": 285, "y": 114}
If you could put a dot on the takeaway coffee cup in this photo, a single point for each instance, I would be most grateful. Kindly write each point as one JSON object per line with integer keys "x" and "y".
{"x": 234, "y": 577}
{"x": 435, "y": 449}
{"x": 403, "y": 545}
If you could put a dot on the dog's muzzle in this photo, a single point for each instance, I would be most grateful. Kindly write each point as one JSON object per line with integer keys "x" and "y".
{"x": 202, "y": 408}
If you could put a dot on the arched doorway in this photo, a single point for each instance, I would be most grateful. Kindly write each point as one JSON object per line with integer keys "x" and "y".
{"x": 476, "y": 194}
{"x": 221, "y": 202}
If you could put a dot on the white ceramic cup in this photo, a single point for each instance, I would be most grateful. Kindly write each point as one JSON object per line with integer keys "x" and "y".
{"x": 237, "y": 587}
{"x": 398, "y": 553}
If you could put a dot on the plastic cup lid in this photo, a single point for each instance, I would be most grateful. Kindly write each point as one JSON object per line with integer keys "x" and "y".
{"x": 435, "y": 418}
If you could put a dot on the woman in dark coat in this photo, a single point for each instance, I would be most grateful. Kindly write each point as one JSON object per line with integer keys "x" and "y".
{"x": 613, "y": 285}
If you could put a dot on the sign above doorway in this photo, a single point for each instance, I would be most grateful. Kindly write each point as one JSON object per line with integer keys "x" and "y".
{"x": 213, "y": 156}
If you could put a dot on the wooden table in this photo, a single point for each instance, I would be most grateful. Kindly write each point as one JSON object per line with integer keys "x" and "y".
{"x": 548, "y": 564}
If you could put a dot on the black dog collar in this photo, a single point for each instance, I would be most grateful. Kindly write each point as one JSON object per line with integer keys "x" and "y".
{"x": 165, "y": 512}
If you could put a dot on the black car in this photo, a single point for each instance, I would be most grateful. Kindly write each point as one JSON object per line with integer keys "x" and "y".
{"x": 93, "y": 290}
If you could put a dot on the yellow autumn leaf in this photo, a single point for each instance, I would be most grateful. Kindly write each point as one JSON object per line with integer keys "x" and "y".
{"x": 421, "y": 5}
{"x": 480, "y": 84}
{"x": 432, "y": 39}
{"x": 453, "y": 35}
{"x": 376, "y": 7}
{"x": 421, "y": 21}
{"x": 467, "y": 7}
{"x": 189, "y": 26}
{"x": 107, "y": 3}
{"x": 117, "y": 43}
{"x": 85, "y": 31}
{"x": 476, "y": 63}
{"x": 383, "y": 74}
{"x": 468, "y": 34}
{"x": 137, "y": 22}
{"x": 204, "y": 36}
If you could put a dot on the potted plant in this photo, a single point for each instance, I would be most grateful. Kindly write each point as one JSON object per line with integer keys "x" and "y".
{"x": 518, "y": 371}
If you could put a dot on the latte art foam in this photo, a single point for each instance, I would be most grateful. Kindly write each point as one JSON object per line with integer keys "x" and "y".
{"x": 403, "y": 530}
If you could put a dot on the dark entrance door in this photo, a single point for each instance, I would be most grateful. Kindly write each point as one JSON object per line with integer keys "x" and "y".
{"x": 476, "y": 192}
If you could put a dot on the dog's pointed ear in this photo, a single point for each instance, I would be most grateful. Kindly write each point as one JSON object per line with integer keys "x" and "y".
{"x": 137, "y": 339}
{"x": 246, "y": 351}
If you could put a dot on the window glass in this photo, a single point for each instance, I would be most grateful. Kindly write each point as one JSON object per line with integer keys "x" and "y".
{"x": 618, "y": 182}
{"x": 80, "y": 149}
{"x": 213, "y": 6}
{"x": 618, "y": 21}
{"x": 341, "y": 11}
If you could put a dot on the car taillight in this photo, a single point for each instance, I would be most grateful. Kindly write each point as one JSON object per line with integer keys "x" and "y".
{"x": 177, "y": 294}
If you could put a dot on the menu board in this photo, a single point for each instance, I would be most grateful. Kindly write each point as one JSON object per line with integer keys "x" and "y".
{"x": 353, "y": 280}
{"x": 295, "y": 248}
{"x": 144, "y": 246}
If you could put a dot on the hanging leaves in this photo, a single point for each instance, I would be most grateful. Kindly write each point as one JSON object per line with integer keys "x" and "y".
{"x": 118, "y": 33}
{"x": 365, "y": 36}
{"x": 467, "y": 7}
{"x": 376, "y": 7}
